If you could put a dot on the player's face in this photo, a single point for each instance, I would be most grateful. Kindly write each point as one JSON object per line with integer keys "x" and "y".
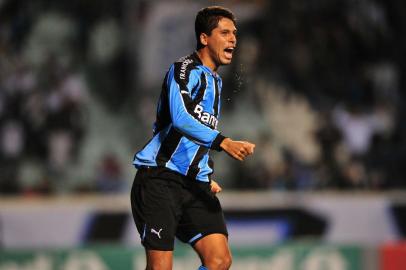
{"x": 222, "y": 42}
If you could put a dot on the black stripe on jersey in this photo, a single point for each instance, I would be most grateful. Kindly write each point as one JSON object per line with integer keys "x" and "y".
{"x": 202, "y": 89}
{"x": 168, "y": 147}
{"x": 163, "y": 116}
{"x": 199, "y": 96}
{"x": 181, "y": 74}
{"x": 194, "y": 89}
{"x": 194, "y": 166}
{"x": 216, "y": 98}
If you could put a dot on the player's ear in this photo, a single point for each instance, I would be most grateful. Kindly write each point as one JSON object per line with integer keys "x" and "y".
{"x": 203, "y": 39}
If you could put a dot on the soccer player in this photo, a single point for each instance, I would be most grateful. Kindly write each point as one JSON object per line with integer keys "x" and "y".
{"x": 173, "y": 193}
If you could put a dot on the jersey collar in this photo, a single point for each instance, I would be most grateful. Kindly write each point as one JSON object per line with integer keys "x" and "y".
{"x": 196, "y": 58}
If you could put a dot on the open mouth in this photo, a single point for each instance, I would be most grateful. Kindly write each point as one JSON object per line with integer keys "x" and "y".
{"x": 229, "y": 52}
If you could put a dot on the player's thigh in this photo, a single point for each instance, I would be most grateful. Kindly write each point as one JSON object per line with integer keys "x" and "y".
{"x": 158, "y": 259}
{"x": 213, "y": 249}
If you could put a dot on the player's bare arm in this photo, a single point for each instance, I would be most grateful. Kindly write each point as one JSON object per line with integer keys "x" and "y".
{"x": 237, "y": 149}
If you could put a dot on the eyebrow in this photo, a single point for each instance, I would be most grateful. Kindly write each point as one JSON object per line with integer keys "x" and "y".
{"x": 228, "y": 30}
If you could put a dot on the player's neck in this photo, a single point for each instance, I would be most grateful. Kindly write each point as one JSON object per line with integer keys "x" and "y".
{"x": 207, "y": 60}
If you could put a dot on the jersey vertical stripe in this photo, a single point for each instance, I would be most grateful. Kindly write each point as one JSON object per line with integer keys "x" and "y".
{"x": 194, "y": 168}
{"x": 169, "y": 144}
{"x": 216, "y": 98}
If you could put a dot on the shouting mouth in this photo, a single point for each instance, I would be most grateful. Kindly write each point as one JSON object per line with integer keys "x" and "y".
{"x": 229, "y": 52}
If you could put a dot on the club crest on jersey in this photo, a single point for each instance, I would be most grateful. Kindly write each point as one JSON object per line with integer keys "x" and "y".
{"x": 206, "y": 117}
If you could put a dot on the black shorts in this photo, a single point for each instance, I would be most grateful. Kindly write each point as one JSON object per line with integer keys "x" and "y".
{"x": 166, "y": 204}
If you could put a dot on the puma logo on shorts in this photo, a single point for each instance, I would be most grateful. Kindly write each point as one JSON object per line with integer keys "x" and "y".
{"x": 158, "y": 233}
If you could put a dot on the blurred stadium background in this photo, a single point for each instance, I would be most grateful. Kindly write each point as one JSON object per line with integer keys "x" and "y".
{"x": 318, "y": 85}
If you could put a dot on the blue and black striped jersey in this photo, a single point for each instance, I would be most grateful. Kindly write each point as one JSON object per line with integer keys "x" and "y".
{"x": 186, "y": 122}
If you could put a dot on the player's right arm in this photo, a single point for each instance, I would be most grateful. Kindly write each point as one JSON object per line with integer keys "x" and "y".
{"x": 180, "y": 82}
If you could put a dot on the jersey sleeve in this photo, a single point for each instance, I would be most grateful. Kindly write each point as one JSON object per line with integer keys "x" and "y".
{"x": 180, "y": 82}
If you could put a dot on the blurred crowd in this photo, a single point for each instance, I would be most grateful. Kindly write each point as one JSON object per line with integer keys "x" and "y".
{"x": 317, "y": 85}
{"x": 44, "y": 93}
{"x": 40, "y": 118}
{"x": 328, "y": 77}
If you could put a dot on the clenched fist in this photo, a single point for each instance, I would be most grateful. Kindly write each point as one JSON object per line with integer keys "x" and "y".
{"x": 237, "y": 149}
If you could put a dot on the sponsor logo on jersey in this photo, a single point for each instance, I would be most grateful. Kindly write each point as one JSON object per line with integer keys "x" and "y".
{"x": 183, "y": 68}
{"x": 206, "y": 117}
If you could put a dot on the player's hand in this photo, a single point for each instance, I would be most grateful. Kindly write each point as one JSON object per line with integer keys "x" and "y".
{"x": 237, "y": 149}
{"x": 215, "y": 187}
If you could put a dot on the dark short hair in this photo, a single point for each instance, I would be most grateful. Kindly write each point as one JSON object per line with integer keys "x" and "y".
{"x": 207, "y": 19}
